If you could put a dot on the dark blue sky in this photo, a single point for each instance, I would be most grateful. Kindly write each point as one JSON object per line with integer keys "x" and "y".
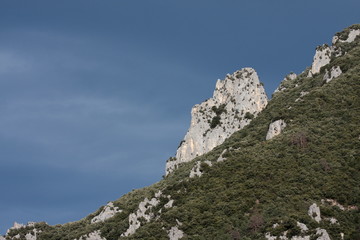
{"x": 96, "y": 95}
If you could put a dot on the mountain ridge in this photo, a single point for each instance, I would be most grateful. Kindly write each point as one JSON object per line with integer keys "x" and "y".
{"x": 292, "y": 185}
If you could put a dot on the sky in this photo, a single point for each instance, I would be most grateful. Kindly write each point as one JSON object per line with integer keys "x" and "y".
{"x": 96, "y": 95}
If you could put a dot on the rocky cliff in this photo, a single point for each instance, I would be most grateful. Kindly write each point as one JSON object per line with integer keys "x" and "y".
{"x": 236, "y": 101}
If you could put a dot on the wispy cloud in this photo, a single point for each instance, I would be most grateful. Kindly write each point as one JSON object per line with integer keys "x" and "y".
{"x": 97, "y": 131}
{"x": 11, "y": 62}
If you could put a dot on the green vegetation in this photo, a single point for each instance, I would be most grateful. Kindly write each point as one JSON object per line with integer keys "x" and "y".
{"x": 215, "y": 121}
{"x": 249, "y": 115}
{"x": 261, "y": 182}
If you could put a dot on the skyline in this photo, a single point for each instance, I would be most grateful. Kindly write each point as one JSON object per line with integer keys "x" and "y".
{"x": 96, "y": 96}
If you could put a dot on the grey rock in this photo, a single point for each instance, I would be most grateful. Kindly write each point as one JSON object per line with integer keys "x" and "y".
{"x": 275, "y": 128}
{"x": 236, "y": 99}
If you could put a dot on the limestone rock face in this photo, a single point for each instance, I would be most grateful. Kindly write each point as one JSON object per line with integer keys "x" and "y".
{"x": 333, "y": 73}
{"x": 323, "y": 234}
{"x": 195, "y": 171}
{"x": 19, "y": 225}
{"x": 108, "y": 212}
{"x": 144, "y": 212}
{"x": 314, "y": 212}
{"x": 282, "y": 87}
{"x": 175, "y": 233}
{"x": 92, "y": 236}
{"x": 31, "y": 235}
{"x": 275, "y": 128}
{"x": 321, "y": 58}
{"x": 351, "y": 37}
{"x": 236, "y": 100}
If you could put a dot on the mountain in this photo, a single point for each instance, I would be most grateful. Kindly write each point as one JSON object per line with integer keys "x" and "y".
{"x": 236, "y": 100}
{"x": 292, "y": 172}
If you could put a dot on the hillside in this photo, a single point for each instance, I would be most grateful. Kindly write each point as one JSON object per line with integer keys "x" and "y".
{"x": 301, "y": 180}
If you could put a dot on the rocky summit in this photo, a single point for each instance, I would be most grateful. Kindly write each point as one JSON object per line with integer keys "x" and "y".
{"x": 236, "y": 101}
{"x": 249, "y": 168}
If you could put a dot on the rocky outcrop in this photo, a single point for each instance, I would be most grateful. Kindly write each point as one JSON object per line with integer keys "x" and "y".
{"x": 333, "y": 73}
{"x": 302, "y": 94}
{"x": 282, "y": 86}
{"x": 236, "y": 100}
{"x": 96, "y": 235}
{"x": 221, "y": 157}
{"x": 196, "y": 170}
{"x": 31, "y": 235}
{"x": 306, "y": 233}
{"x": 143, "y": 212}
{"x": 324, "y": 53}
{"x": 175, "y": 233}
{"x": 353, "y": 33}
{"x": 314, "y": 212}
{"x": 169, "y": 204}
{"x": 322, "y": 233}
{"x": 322, "y": 57}
{"x": 275, "y": 128}
{"x": 20, "y": 225}
{"x": 109, "y": 211}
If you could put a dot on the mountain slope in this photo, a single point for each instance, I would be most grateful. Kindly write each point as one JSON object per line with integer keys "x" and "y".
{"x": 301, "y": 184}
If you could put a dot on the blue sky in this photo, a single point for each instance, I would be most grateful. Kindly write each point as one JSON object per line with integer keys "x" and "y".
{"x": 96, "y": 95}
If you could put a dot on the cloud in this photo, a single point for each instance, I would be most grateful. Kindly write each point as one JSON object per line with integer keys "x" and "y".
{"x": 11, "y": 62}
{"x": 100, "y": 132}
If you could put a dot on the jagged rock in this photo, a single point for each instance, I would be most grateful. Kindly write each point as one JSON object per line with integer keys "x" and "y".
{"x": 321, "y": 58}
{"x": 15, "y": 226}
{"x": 2, "y": 238}
{"x": 221, "y": 158}
{"x": 175, "y": 233}
{"x": 314, "y": 212}
{"x": 169, "y": 204}
{"x": 334, "y": 73}
{"x": 302, "y": 227}
{"x": 236, "y": 100}
{"x": 351, "y": 37}
{"x": 275, "y": 128}
{"x": 333, "y": 220}
{"x": 20, "y": 225}
{"x": 96, "y": 235}
{"x": 143, "y": 211}
{"x": 268, "y": 236}
{"x": 275, "y": 225}
{"x": 31, "y": 236}
{"x": 334, "y": 40}
{"x": 281, "y": 87}
{"x": 108, "y": 212}
{"x": 195, "y": 171}
{"x": 323, "y": 234}
{"x": 323, "y": 53}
